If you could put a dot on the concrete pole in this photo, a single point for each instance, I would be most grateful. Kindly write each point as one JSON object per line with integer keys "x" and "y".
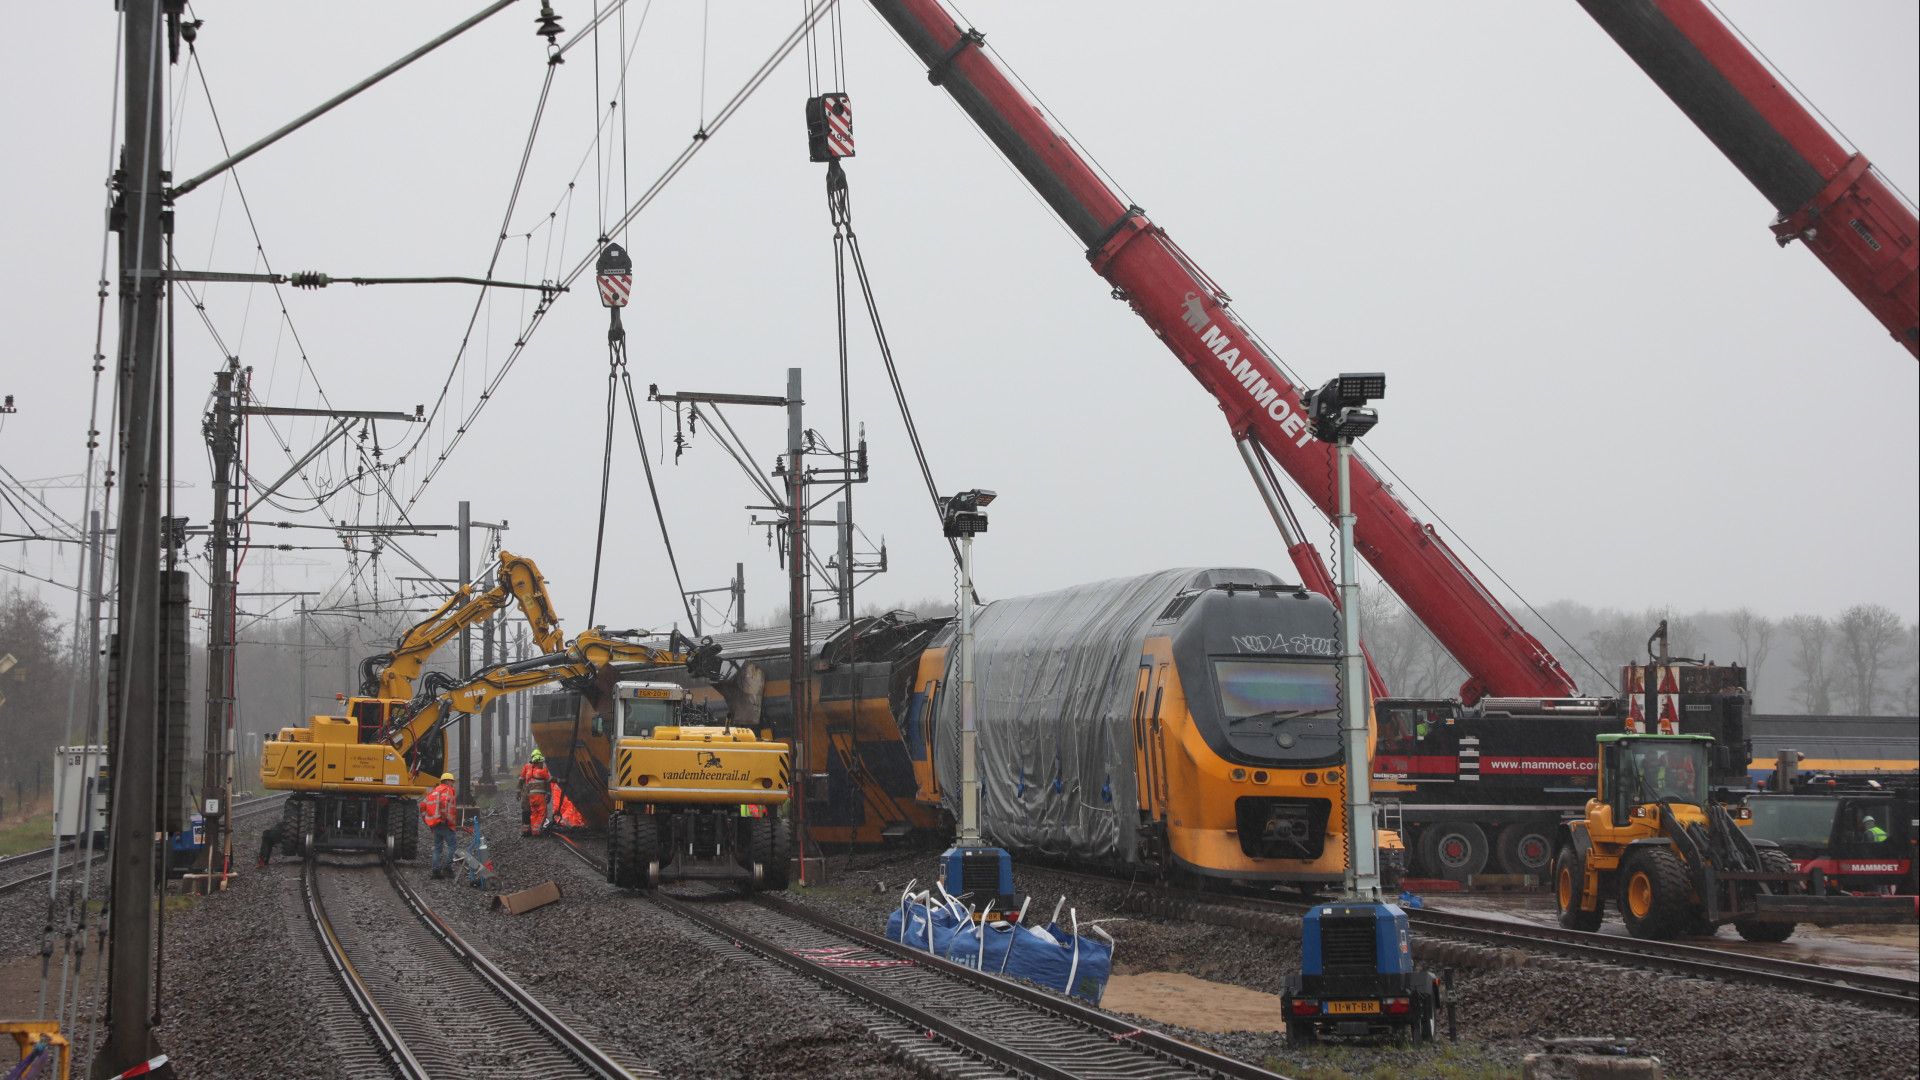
{"x": 969, "y": 729}
{"x": 300, "y": 713}
{"x": 129, "y": 1035}
{"x": 1363, "y": 864}
{"x": 739, "y": 597}
{"x": 223, "y": 445}
{"x": 465, "y": 794}
{"x": 799, "y": 667}
{"x": 843, "y": 587}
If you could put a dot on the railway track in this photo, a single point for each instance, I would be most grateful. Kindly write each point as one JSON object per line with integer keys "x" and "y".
{"x": 433, "y": 1005}
{"x": 24, "y": 869}
{"x": 944, "y": 1017}
{"x": 1674, "y": 958}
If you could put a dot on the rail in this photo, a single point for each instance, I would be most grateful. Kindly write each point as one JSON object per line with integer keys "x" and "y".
{"x": 240, "y": 810}
{"x": 487, "y": 1001}
{"x": 1857, "y": 987}
{"x": 1028, "y": 1031}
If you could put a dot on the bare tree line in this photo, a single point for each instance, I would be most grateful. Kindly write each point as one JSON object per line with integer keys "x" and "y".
{"x": 1863, "y": 662}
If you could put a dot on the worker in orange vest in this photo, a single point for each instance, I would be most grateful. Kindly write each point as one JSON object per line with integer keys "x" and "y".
{"x": 440, "y": 815}
{"x": 535, "y": 783}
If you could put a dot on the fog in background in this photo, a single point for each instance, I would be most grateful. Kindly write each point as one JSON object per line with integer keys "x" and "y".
{"x": 1602, "y": 372}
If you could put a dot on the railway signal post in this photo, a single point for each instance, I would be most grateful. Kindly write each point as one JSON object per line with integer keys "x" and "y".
{"x": 970, "y": 866}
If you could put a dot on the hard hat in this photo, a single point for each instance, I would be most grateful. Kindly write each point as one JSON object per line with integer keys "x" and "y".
{"x": 1868, "y": 820}
{"x": 446, "y": 776}
{"x": 537, "y": 756}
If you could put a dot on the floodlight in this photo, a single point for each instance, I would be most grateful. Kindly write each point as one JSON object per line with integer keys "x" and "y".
{"x": 1336, "y": 407}
{"x": 1353, "y": 423}
{"x": 1360, "y": 387}
{"x": 960, "y": 514}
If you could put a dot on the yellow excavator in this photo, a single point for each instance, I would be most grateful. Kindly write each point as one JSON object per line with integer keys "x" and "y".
{"x": 354, "y": 780}
{"x": 692, "y": 799}
{"x": 1676, "y": 862}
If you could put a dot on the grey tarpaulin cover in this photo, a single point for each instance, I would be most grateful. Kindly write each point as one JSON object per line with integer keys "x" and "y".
{"x": 1054, "y": 677}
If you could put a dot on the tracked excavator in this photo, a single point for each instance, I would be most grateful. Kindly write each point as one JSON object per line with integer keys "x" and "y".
{"x": 353, "y": 779}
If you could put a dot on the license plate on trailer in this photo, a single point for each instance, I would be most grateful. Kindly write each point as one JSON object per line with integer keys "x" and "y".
{"x": 1349, "y": 1008}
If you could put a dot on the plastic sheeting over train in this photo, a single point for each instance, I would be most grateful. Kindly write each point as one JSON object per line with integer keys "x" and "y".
{"x": 1057, "y": 680}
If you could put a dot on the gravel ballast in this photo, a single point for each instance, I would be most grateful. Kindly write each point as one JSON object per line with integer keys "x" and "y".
{"x": 1699, "y": 1029}
{"x": 247, "y": 993}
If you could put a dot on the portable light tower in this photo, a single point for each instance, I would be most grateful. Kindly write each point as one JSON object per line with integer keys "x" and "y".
{"x": 1356, "y": 972}
{"x": 970, "y": 866}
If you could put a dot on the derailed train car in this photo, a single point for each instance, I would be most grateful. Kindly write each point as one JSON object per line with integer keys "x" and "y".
{"x": 1184, "y": 719}
{"x": 1181, "y": 719}
{"x": 861, "y": 701}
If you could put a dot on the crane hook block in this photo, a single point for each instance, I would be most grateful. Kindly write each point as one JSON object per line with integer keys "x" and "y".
{"x": 829, "y": 127}
{"x": 614, "y": 272}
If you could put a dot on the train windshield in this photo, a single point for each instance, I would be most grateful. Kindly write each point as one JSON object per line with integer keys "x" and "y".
{"x": 1280, "y": 710}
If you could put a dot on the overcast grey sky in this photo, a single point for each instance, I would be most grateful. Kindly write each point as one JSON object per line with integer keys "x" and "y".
{"x": 1602, "y": 370}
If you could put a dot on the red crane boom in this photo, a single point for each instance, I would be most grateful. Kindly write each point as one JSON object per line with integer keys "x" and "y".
{"x": 1831, "y": 200}
{"x": 1187, "y": 311}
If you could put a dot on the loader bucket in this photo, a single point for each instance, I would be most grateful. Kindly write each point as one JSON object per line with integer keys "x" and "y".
{"x": 1833, "y": 910}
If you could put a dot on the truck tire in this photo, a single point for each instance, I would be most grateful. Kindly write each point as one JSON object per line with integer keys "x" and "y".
{"x": 1656, "y": 901}
{"x": 408, "y": 847}
{"x": 290, "y": 826}
{"x": 1569, "y": 879}
{"x": 306, "y": 829}
{"x": 633, "y": 848}
{"x": 1454, "y": 850}
{"x": 645, "y": 850}
{"x": 1772, "y": 861}
{"x": 772, "y": 848}
{"x": 617, "y": 842}
{"x": 1302, "y": 1033}
{"x": 1525, "y": 847}
{"x": 1427, "y": 1020}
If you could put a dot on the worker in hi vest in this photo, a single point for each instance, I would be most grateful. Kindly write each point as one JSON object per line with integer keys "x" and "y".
{"x": 535, "y": 785}
{"x": 440, "y": 815}
{"x": 1875, "y": 834}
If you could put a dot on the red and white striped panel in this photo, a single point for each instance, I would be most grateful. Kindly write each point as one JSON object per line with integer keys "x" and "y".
{"x": 615, "y": 289}
{"x": 839, "y": 109}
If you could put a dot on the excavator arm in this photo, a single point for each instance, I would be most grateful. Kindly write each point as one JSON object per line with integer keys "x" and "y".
{"x": 593, "y": 649}
{"x": 392, "y": 675}
{"x": 1189, "y": 314}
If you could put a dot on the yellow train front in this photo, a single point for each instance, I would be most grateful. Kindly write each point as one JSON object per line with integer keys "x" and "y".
{"x": 692, "y": 800}
{"x": 1186, "y": 720}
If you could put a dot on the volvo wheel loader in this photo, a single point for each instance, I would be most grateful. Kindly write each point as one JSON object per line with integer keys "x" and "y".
{"x": 1675, "y": 862}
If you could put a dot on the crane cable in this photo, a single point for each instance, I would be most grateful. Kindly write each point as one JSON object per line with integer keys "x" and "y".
{"x": 620, "y": 380}
{"x": 839, "y": 205}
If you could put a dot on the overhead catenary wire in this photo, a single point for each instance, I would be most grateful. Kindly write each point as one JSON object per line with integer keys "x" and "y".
{"x": 726, "y": 112}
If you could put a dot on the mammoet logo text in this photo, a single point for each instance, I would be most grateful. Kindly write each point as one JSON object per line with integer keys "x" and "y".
{"x": 1265, "y": 395}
